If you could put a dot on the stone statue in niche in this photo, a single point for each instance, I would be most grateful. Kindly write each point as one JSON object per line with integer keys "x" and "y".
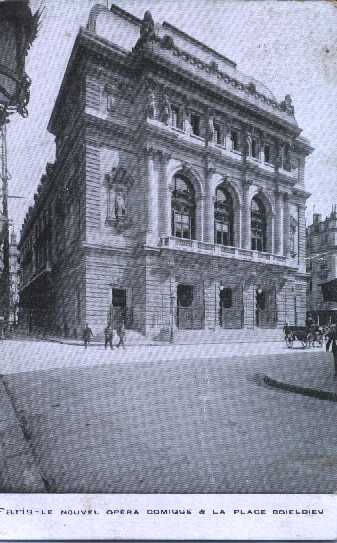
{"x": 120, "y": 206}
{"x": 118, "y": 183}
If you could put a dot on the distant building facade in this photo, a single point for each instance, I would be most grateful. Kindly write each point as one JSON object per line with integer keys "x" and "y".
{"x": 177, "y": 196}
{"x": 14, "y": 279}
{"x": 322, "y": 268}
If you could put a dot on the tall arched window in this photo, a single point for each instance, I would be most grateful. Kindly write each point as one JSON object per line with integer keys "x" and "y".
{"x": 183, "y": 208}
{"x": 223, "y": 217}
{"x": 258, "y": 225}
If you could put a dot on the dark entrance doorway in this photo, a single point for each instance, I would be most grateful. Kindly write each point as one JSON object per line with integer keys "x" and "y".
{"x": 231, "y": 309}
{"x": 189, "y": 310}
{"x": 119, "y": 304}
{"x": 265, "y": 308}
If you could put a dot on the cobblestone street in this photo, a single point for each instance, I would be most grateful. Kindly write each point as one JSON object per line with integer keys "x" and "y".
{"x": 118, "y": 425}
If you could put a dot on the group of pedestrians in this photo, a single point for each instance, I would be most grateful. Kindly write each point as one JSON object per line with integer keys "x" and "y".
{"x": 108, "y": 335}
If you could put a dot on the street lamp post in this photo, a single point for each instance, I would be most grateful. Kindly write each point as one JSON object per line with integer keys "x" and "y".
{"x": 18, "y": 29}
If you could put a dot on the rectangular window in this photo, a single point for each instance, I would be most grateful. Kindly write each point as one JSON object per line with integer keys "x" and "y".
{"x": 195, "y": 124}
{"x": 267, "y": 154}
{"x": 217, "y": 134}
{"x": 255, "y": 149}
{"x": 222, "y": 233}
{"x": 234, "y": 140}
{"x": 182, "y": 226}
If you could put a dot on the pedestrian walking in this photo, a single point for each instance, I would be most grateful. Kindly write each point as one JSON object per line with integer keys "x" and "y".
{"x": 121, "y": 334}
{"x": 108, "y": 337}
{"x": 332, "y": 341}
{"x": 87, "y": 335}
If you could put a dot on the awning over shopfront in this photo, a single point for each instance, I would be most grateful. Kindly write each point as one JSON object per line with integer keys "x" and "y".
{"x": 329, "y": 291}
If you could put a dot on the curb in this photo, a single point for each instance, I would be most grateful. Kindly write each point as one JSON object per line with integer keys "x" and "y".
{"x": 296, "y": 389}
{"x": 19, "y": 470}
{"x": 154, "y": 344}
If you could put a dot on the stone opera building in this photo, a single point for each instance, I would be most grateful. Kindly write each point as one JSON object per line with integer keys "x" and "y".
{"x": 177, "y": 195}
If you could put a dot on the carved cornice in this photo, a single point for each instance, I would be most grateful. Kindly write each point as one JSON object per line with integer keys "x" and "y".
{"x": 249, "y": 89}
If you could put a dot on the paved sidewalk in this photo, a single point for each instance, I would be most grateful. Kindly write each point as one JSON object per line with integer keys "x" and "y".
{"x": 18, "y": 356}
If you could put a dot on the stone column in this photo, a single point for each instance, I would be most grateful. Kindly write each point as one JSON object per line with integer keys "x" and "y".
{"x": 151, "y": 197}
{"x": 200, "y": 218}
{"x": 209, "y": 208}
{"x": 286, "y": 225}
{"x": 245, "y": 216}
{"x": 165, "y": 195}
{"x": 278, "y": 223}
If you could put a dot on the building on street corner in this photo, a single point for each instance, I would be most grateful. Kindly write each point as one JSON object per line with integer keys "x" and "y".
{"x": 322, "y": 268}
{"x": 177, "y": 195}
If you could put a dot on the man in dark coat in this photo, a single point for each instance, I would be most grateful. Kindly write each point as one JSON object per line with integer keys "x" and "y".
{"x": 332, "y": 340}
{"x": 108, "y": 337}
{"x": 87, "y": 335}
{"x": 121, "y": 334}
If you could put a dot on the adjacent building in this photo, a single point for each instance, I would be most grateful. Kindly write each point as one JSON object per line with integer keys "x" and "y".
{"x": 322, "y": 268}
{"x": 177, "y": 196}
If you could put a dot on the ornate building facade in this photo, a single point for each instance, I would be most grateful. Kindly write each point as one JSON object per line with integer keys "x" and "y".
{"x": 322, "y": 268}
{"x": 177, "y": 194}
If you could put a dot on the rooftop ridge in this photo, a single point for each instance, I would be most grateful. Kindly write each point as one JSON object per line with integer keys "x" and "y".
{"x": 186, "y": 36}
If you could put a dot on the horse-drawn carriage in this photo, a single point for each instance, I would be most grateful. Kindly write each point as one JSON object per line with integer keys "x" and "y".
{"x": 308, "y": 336}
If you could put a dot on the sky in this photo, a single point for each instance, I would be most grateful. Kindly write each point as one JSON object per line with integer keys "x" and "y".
{"x": 289, "y": 45}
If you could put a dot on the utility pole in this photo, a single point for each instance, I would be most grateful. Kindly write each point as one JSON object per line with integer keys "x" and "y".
{"x": 6, "y": 256}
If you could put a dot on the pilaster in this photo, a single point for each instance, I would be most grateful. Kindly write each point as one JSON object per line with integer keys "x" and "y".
{"x": 164, "y": 204}
{"x": 151, "y": 197}
{"x": 245, "y": 217}
{"x": 209, "y": 207}
{"x": 278, "y": 223}
{"x": 286, "y": 224}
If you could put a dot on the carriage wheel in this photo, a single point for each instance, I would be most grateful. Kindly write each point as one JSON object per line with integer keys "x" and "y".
{"x": 289, "y": 341}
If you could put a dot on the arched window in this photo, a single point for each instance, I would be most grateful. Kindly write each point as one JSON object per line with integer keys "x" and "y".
{"x": 258, "y": 225}
{"x": 223, "y": 217}
{"x": 183, "y": 208}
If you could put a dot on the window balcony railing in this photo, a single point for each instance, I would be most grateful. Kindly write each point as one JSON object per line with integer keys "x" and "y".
{"x": 202, "y": 247}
